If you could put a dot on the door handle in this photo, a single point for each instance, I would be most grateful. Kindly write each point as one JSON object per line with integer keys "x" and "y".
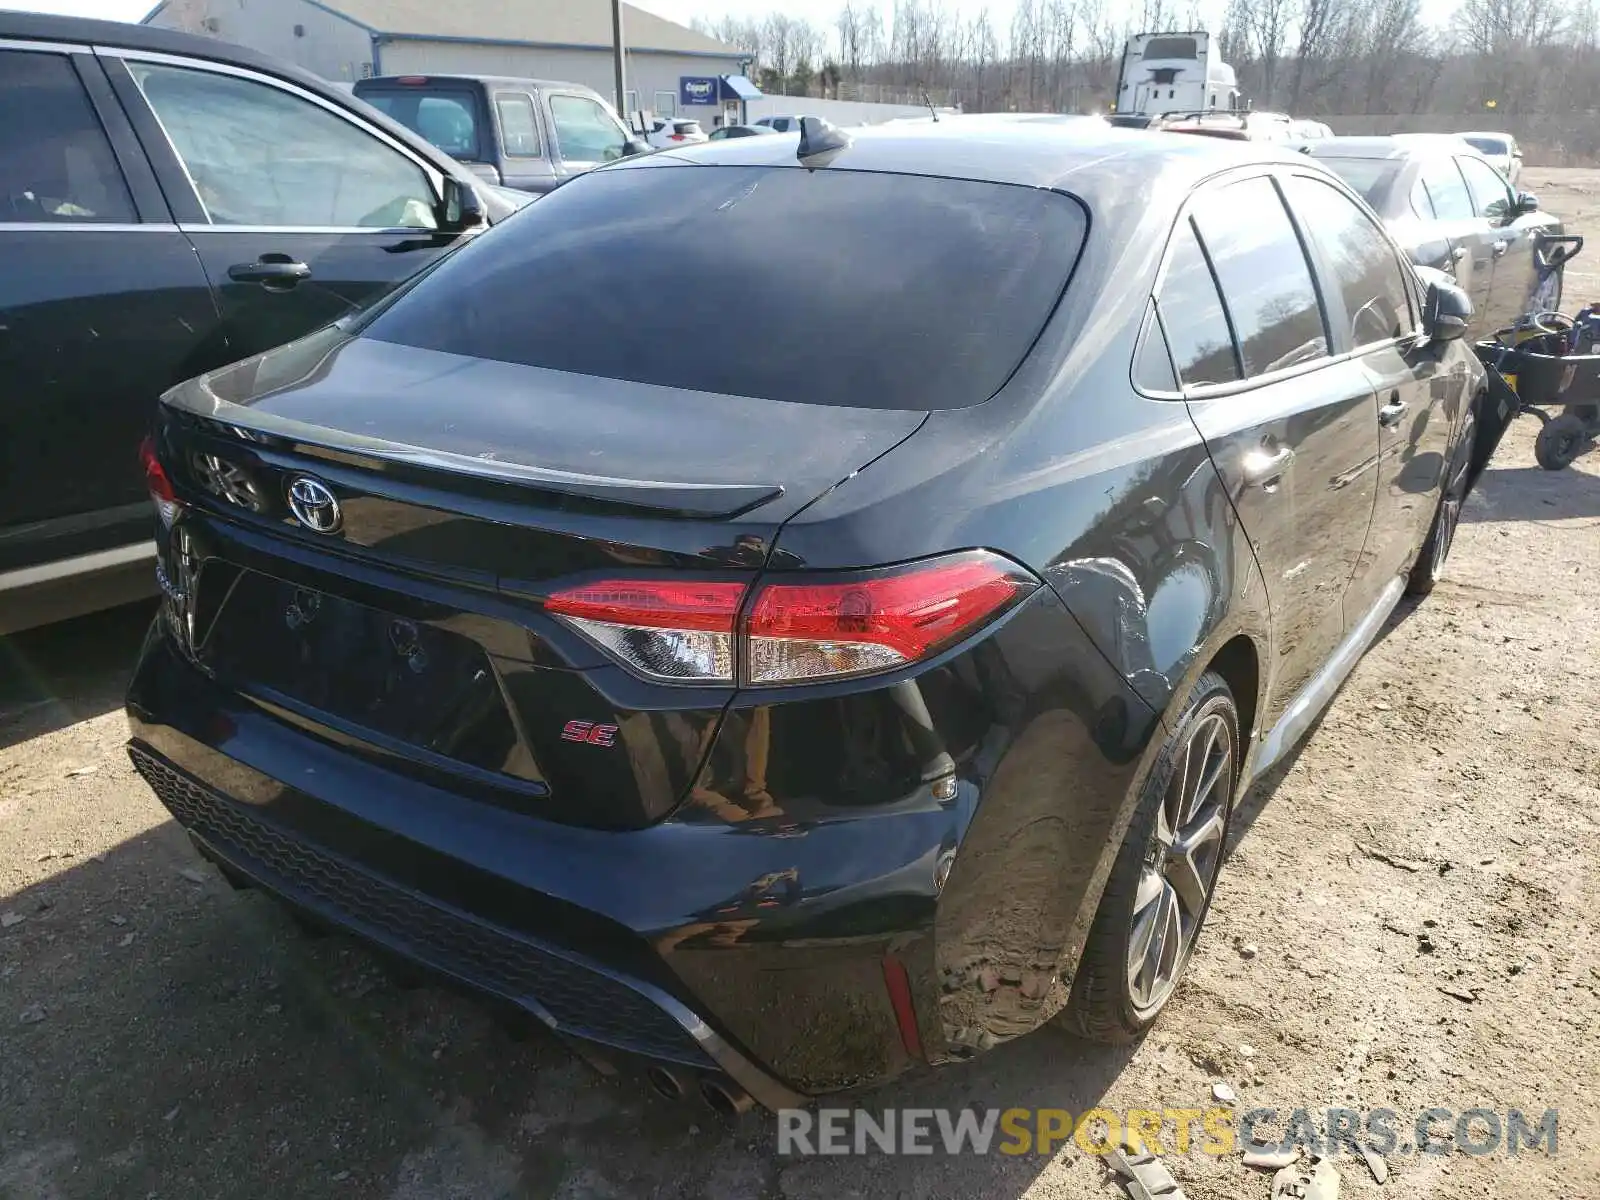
{"x": 1389, "y": 415}
{"x": 1500, "y": 247}
{"x": 1265, "y": 467}
{"x": 275, "y": 272}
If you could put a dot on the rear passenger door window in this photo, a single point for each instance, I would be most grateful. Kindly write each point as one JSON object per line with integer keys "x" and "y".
{"x": 1491, "y": 196}
{"x": 1447, "y": 190}
{"x": 1365, "y": 271}
{"x": 56, "y": 164}
{"x": 1193, "y": 316}
{"x": 1264, "y": 276}
{"x": 518, "y": 126}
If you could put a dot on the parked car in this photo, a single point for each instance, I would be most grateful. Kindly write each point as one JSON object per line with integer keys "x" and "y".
{"x": 528, "y": 134}
{"x": 1451, "y": 210}
{"x": 669, "y": 132}
{"x": 152, "y": 226}
{"x": 901, "y": 705}
{"x": 1501, "y": 151}
{"x": 724, "y": 132}
{"x": 790, "y": 124}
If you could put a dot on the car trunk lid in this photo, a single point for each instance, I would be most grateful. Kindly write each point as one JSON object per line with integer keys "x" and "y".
{"x": 467, "y": 491}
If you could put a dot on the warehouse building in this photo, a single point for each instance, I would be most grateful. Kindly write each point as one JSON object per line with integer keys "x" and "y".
{"x": 671, "y": 70}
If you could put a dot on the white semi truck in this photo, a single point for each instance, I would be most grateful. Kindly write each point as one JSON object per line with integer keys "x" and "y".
{"x": 1174, "y": 72}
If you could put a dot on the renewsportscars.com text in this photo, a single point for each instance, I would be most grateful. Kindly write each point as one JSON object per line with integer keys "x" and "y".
{"x": 1210, "y": 1131}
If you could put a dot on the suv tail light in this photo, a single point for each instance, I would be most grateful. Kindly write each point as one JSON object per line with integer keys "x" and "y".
{"x": 157, "y": 483}
{"x": 813, "y": 627}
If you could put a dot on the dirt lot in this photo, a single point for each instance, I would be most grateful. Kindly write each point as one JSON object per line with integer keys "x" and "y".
{"x": 1407, "y": 921}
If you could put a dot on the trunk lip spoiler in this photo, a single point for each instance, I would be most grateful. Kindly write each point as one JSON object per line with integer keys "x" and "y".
{"x": 686, "y": 497}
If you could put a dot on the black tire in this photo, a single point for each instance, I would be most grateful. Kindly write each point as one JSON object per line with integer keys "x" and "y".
{"x": 1103, "y": 1006}
{"x": 1559, "y": 442}
{"x": 1428, "y": 569}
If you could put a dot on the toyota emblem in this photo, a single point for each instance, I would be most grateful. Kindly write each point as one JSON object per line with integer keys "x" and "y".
{"x": 314, "y": 505}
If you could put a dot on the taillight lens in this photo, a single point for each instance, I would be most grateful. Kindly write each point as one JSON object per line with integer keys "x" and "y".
{"x": 674, "y": 630}
{"x": 818, "y": 627}
{"x": 157, "y": 483}
{"x": 677, "y": 137}
{"x": 877, "y": 621}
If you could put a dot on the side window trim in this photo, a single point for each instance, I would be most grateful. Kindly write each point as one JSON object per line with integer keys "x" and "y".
{"x": 137, "y": 174}
{"x": 1150, "y": 326}
{"x": 202, "y": 221}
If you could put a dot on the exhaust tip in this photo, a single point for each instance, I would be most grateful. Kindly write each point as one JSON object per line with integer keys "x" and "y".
{"x": 665, "y": 1083}
{"x": 729, "y": 1102}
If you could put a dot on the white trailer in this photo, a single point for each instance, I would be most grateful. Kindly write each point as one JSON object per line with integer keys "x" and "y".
{"x": 1175, "y": 72}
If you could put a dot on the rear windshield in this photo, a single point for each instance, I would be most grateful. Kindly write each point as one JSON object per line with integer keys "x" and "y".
{"x": 1488, "y": 145}
{"x": 1371, "y": 177}
{"x": 687, "y": 126}
{"x": 892, "y": 291}
{"x": 447, "y": 117}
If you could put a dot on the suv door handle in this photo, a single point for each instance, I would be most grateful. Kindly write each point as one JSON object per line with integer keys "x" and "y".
{"x": 1500, "y": 247}
{"x": 1265, "y": 467}
{"x": 275, "y": 272}
{"x": 1389, "y": 415}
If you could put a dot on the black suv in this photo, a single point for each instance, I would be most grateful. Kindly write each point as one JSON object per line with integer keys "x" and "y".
{"x": 789, "y": 712}
{"x": 169, "y": 204}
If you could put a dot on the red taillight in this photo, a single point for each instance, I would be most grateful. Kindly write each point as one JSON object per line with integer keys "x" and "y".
{"x": 677, "y": 137}
{"x": 819, "y": 627}
{"x": 157, "y": 483}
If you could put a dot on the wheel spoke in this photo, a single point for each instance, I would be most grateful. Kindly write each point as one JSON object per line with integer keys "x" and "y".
{"x": 1146, "y": 917}
{"x": 1190, "y": 862}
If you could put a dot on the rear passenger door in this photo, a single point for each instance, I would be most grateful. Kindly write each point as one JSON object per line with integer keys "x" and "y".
{"x": 1471, "y": 253}
{"x": 103, "y": 306}
{"x": 299, "y": 211}
{"x": 1371, "y": 307}
{"x": 1292, "y": 433}
{"x": 1510, "y": 242}
{"x": 526, "y": 162}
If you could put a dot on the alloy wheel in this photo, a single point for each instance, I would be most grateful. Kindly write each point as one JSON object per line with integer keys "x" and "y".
{"x": 1180, "y": 864}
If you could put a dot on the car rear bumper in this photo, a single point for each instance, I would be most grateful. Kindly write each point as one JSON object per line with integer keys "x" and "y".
{"x": 793, "y": 946}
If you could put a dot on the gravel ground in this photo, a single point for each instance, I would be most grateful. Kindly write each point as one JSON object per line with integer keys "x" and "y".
{"x": 1406, "y": 922}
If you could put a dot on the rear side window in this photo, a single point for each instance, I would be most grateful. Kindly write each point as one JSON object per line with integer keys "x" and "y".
{"x": 1193, "y": 316}
{"x": 518, "y": 127}
{"x": 1265, "y": 279}
{"x": 1447, "y": 190}
{"x": 1491, "y": 196}
{"x": 893, "y": 291}
{"x": 55, "y": 162}
{"x": 1364, "y": 265}
{"x": 446, "y": 118}
{"x": 1372, "y": 177}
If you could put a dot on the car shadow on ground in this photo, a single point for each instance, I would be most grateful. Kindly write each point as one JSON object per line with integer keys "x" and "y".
{"x": 163, "y": 1033}
{"x": 1534, "y": 494}
{"x": 58, "y": 675}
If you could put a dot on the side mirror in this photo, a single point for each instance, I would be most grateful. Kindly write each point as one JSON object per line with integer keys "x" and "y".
{"x": 463, "y": 209}
{"x": 1446, "y": 312}
{"x": 1527, "y": 202}
{"x": 634, "y": 146}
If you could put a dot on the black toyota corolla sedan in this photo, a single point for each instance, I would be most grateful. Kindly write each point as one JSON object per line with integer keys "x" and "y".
{"x": 787, "y": 713}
